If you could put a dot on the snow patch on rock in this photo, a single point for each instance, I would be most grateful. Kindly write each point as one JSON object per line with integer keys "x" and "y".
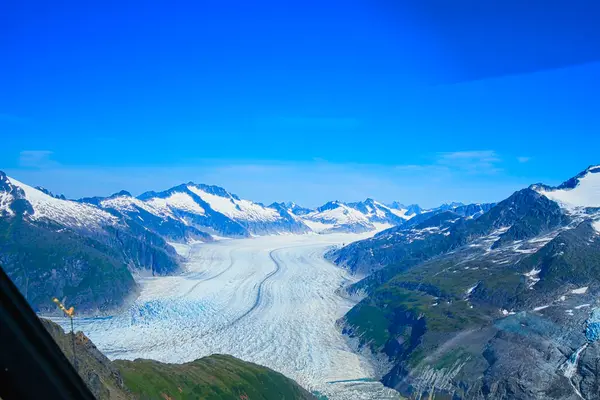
{"x": 585, "y": 194}
{"x": 580, "y": 290}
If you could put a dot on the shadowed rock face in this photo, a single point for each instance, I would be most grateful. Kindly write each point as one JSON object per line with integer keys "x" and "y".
{"x": 98, "y": 372}
{"x": 216, "y": 377}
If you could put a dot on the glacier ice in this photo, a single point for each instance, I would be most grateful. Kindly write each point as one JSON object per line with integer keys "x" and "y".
{"x": 269, "y": 300}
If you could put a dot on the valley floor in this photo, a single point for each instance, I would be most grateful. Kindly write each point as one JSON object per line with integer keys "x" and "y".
{"x": 269, "y": 300}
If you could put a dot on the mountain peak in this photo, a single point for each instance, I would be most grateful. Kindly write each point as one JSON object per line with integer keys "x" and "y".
{"x": 580, "y": 191}
{"x": 297, "y": 209}
{"x": 568, "y": 184}
{"x": 593, "y": 168}
{"x": 121, "y": 193}
{"x": 49, "y": 193}
{"x": 4, "y": 182}
{"x": 413, "y": 209}
{"x": 451, "y": 205}
{"x": 330, "y": 205}
{"x": 213, "y": 189}
{"x": 396, "y": 205}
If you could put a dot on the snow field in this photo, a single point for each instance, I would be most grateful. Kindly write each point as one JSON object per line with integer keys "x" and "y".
{"x": 585, "y": 194}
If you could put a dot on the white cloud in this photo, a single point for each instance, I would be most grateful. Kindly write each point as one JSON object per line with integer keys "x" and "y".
{"x": 523, "y": 159}
{"x": 472, "y": 162}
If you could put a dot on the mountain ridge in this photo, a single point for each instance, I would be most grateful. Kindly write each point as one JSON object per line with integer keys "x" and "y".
{"x": 458, "y": 303}
{"x": 74, "y": 249}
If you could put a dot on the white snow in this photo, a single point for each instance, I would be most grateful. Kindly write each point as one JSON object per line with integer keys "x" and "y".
{"x": 402, "y": 213}
{"x": 585, "y": 194}
{"x": 470, "y": 290}
{"x": 582, "y": 305}
{"x": 317, "y": 226}
{"x": 533, "y": 277}
{"x": 5, "y": 201}
{"x": 380, "y": 226}
{"x": 341, "y": 215}
{"x": 237, "y": 209}
{"x": 182, "y": 249}
{"x": 580, "y": 290}
{"x": 217, "y": 237}
{"x": 397, "y": 212}
{"x": 66, "y": 212}
{"x": 596, "y": 225}
{"x": 269, "y": 300}
{"x": 541, "y": 307}
{"x": 129, "y": 204}
{"x": 570, "y": 367}
{"x": 177, "y": 200}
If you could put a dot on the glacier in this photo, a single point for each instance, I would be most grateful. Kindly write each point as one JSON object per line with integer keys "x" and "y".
{"x": 270, "y": 300}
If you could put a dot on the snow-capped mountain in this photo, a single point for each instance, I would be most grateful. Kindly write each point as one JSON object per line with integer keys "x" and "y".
{"x": 579, "y": 192}
{"x": 295, "y": 208}
{"x": 408, "y": 211}
{"x": 497, "y": 279}
{"x": 155, "y": 216}
{"x": 336, "y": 216}
{"x": 41, "y": 205}
{"x": 363, "y": 216}
{"x": 56, "y": 247}
{"x": 214, "y": 210}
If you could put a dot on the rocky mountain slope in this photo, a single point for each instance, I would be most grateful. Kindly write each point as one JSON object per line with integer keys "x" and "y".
{"x": 217, "y": 211}
{"x": 407, "y": 241}
{"x": 465, "y": 307}
{"x": 54, "y": 247}
{"x": 214, "y": 377}
{"x": 364, "y": 216}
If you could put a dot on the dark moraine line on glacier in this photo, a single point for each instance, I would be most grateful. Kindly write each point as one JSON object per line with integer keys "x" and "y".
{"x": 210, "y": 278}
{"x": 259, "y": 292}
{"x": 254, "y": 306}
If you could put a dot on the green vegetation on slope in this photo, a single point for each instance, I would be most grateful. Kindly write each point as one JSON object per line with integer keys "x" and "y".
{"x": 46, "y": 261}
{"x": 217, "y": 377}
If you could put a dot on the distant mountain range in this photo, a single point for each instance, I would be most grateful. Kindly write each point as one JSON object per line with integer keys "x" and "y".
{"x": 89, "y": 250}
{"x": 480, "y": 302}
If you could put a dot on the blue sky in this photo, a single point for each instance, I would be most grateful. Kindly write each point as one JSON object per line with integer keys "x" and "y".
{"x": 308, "y": 101}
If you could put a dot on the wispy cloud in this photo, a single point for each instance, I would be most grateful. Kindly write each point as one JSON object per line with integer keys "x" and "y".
{"x": 36, "y": 159}
{"x": 473, "y": 162}
{"x": 523, "y": 159}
